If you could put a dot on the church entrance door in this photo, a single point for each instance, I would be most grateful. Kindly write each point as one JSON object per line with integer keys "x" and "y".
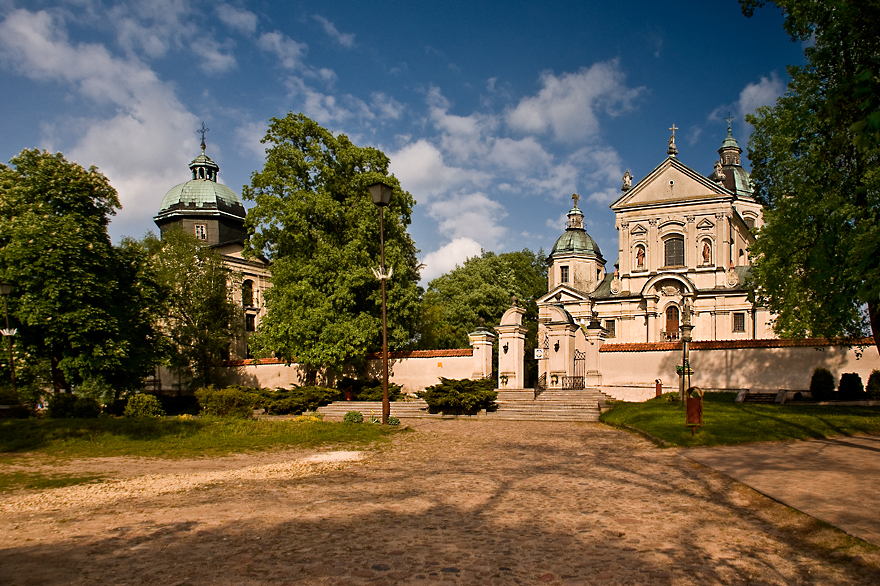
{"x": 576, "y": 382}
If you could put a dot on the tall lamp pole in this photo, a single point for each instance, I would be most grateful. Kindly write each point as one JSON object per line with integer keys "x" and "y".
{"x": 381, "y": 195}
{"x": 686, "y": 329}
{"x": 5, "y": 291}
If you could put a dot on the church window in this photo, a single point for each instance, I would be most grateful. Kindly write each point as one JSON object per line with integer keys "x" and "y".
{"x": 563, "y": 274}
{"x": 610, "y": 328}
{"x": 673, "y": 250}
{"x": 750, "y": 222}
{"x": 739, "y": 322}
{"x": 247, "y": 293}
{"x": 251, "y": 322}
{"x": 201, "y": 231}
{"x": 672, "y": 322}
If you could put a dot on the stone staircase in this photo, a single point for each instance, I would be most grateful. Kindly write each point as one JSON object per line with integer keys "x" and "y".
{"x": 513, "y": 405}
{"x": 759, "y": 397}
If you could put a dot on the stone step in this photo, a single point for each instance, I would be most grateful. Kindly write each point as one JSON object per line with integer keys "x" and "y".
{"x": 760, "y": 398}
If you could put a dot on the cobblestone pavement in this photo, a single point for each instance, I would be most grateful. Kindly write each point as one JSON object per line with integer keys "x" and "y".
{"x": 464, "y": 502}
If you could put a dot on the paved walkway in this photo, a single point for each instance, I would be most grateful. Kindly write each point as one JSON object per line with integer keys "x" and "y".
{"x": 462, "y": 502}
{"x": 836, "y": 480}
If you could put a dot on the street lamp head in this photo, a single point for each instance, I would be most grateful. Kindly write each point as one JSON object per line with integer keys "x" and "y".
{"x": 6, "y": 288}
{"x": 381, "y": 194}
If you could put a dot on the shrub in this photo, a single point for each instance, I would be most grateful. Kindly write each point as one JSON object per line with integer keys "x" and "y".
{"x": 460, "y": 395}
{"x": 851, "y": 387}
{"x": 375, "y": 420}
{"x": 297, "y": 399}
{"x": 393, "y": 420}
{"x": 369, "y": 389}
{"x": 822, "y": 385}
{"x": 353, "y": 417}
{"x": 230, "y": 402}
{"x": 69, "y": 406}
{"x": 16, "y": 409}
{"x": 143, "y": 405}
{"x": 873, "y": 387}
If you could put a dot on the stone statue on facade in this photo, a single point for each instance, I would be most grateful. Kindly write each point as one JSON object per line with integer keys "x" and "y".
{"x": 719, "y": 172}
{"x": 627, "y": 181}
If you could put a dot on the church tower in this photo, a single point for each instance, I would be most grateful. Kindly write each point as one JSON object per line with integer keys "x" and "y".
{"x": 575, "y": 259}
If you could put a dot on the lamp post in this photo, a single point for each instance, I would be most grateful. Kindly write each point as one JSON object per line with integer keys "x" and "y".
{"x": 686, "y": 329}
{"x": 381, "y": 195}
{"x": 5, "y": 291}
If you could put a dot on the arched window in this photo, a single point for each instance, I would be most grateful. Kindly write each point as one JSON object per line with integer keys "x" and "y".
{"x": 750, "y": 222}
{"x": 671, "y": 320}
{"x": 247, "y": 293}
{"x": 673, "y": 249}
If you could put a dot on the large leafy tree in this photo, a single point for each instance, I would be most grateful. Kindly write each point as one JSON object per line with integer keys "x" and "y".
{"x": 81, "y": 306}
{"x": 315, "y": 220}
{"x": 197, "y": 316}
{"x": 815, "y": 167}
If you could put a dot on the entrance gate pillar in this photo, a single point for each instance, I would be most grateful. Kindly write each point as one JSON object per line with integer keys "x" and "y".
{"x": 561, "y": 360}
{"x": 511, "y": 348}
{"x": 481, "y": 341}
{"x": 595, "y": 335}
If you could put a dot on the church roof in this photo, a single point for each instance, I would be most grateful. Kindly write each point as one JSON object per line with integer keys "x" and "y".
{"x": 575, "y": 239}
{"x": 202, "y": 194}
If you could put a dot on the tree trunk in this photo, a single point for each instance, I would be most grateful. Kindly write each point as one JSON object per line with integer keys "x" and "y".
{"x": 874, "y": 317}
{"x": 58, "y": 381}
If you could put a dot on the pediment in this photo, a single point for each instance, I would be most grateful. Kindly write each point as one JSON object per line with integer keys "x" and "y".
{"x": 671, "y": 182}
{"x": 638, "y": 230}
{"x": 705, "y": 224}
{"x": 562, "y": 294}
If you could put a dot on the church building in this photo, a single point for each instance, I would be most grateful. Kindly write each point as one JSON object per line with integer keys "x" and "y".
{"x": 682, "y": 254}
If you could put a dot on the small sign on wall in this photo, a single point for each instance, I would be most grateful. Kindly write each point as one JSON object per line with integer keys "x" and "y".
{"x": 439, "y": 365}
{"x": 539, "y": 353}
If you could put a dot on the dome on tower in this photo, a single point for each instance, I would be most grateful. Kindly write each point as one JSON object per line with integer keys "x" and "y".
{"x": 202, "y": 192}
{"x": 575, "y": 239}
{"x": 733, "y": 177}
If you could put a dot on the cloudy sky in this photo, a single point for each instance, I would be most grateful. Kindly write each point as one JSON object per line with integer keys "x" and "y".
{"x": 493, "y": 113}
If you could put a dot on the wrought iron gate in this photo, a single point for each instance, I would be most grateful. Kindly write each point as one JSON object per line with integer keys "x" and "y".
{"x": 576, "y": 382}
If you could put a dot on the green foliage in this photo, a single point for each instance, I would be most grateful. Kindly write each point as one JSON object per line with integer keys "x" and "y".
{"x": 315, "y": 220}
{"x": 851, "y": 387}
{"x": 231, "y": 402}
{"x": 460, "y": 395}
{"x": 353, "y": 417}
{"x": 69, "y": 406}
{"x": 199, "y": 317}
{"x": 815, "y": 167}
{"x": 393, "y": 420}
{"x": 822, "y": 385}
{"x": 82, "y": 309}
{"x": 297, "y": 399}
{"x": 726, "y": 422}
{"x": 143, "y": 405}
{"x": 13, "y": 401}
{"x": 369, "y": 389}
{"x": 873, "y": 386}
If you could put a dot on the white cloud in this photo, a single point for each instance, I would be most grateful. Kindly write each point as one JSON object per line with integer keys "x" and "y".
{"x": 470, "y": 215}
{"x": 248, "y": 137}
{"x": 345, "y": 40}
{"x": 525, "y": 155}
{"x": 241, "y": 20}
{"x": 386, "y": 106}
{"x": 214, "y": 57}
{"x": 568, "y": 104}
{"x": 763, "y": 93}
{"x": 462, "y": 137}
{"x": 421, "y": 170}
{"x": 446, "y": 258}
{"x": 289, "y": 52}
{"x": 144, "y": 111}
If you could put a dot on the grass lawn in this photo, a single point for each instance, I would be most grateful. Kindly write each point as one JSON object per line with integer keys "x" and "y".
{"x": 726, "y": 422}
{"x": 175, "y": 437}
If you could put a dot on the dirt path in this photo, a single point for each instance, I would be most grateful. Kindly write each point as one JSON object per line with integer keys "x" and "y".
{"x": 454, "y": 501}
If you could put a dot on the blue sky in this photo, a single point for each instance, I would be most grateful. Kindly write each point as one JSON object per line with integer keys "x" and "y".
{"x": 493, "y": 113}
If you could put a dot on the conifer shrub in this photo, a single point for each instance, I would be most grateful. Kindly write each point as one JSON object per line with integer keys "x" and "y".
{"x": 353, "y": 417}
{"x": 822, "y": 385}
{"x": 460, "y": 396}
{"x": 69, "y": 406}
{"x": 369, "y": 389}
{"x": 143, "y": 405}
{"x": 296, "y": 400}
{"x": 851, "y": 387}
{"x": 228, "y": 402}
{"x": 873, "y": 386}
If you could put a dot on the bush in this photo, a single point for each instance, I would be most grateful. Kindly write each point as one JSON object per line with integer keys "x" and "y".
{"x": 143, "y": 405}
{"x": 69, "y": 406}
{"x": 851, "y": 387}
{"x": 296, "y": 399}
{"x": 369, "y": 389}
{"x": 822, "y": 385}
{"x": 16, "y": 409}
{"x": 393, "y": 420}
{"x": 353, "y": 417}
{"x": 873, "y": 387}
{"x": 455, "y": 396}
{"x": 229, "y": 402}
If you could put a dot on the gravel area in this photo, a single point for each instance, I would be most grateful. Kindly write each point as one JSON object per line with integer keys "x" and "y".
{"x": 451, "y": 502}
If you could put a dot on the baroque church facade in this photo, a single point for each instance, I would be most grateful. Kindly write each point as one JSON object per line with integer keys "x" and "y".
{"x": 683, "y": 241}
{"x": 215, "y": 214}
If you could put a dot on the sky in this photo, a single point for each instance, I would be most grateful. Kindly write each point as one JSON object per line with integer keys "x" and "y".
{"x": 493, "y": 113}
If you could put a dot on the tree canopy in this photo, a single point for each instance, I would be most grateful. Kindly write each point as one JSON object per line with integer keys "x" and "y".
{"x": 82, "y": 312}
{"x": 314, "y": 219}
{"x": 815, "y": 168}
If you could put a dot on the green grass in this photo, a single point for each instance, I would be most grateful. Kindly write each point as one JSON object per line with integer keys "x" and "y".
{"x": 174, "y": 438}
{"x": 22, "y": 480}
{"x": 726, "y": 422}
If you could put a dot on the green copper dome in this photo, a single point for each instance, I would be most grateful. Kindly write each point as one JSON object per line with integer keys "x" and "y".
{"x": 202, "y": 192}
{"x": 575, "y": 240}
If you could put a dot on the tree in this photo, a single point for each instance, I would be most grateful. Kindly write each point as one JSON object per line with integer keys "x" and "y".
{"x": 815, "y": 168}
{"x": 315, "y": 220}
{"x": 81, "y": 311}
{"x": 481, "y": 288}
{"x": 198, "y": 318}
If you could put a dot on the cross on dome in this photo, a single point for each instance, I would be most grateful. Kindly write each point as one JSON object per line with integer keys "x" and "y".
{"x": 575, "y": 197}
{"x": 204, "y": 129}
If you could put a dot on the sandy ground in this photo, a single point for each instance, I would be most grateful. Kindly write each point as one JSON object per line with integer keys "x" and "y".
{"x": 452, "y": 501}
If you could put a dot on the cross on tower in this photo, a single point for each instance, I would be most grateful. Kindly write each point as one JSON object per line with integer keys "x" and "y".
{"x": 673, "y": 129}
{"x": 729, "y": 120}
{"x": 575, "y": 197}
{"x": 202, "y": 131}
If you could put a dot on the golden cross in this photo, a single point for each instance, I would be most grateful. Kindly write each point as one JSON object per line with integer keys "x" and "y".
{"x": 673, "y": 129}
{"x": 575, "y": 197}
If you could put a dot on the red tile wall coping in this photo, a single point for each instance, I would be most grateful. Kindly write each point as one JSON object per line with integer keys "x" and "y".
{"x": 370, "y": 356}
{"x": 735, "y": 344}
